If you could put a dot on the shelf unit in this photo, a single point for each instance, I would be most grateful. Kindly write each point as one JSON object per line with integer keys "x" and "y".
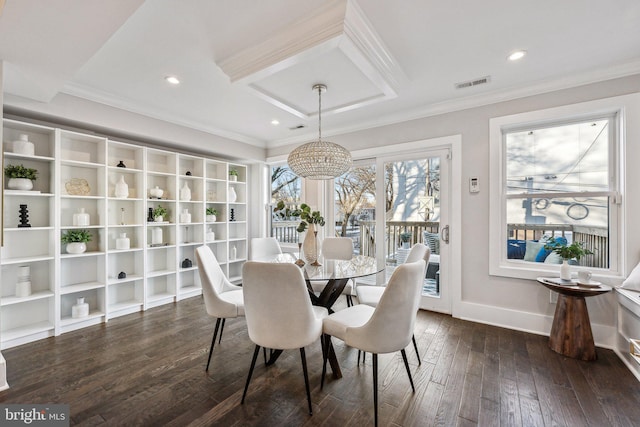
{"x": 80, "y": 171}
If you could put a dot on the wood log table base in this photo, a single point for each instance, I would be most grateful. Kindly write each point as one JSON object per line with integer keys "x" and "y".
{"x": 571, "y": 331}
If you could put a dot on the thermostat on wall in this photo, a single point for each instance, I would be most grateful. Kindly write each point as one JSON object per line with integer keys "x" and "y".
{"x": 474, "y": 185}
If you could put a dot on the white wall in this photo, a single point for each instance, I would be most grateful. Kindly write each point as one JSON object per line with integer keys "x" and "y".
{"x": 518, "y": 304}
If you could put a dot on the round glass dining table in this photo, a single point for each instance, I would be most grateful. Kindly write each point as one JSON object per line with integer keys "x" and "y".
{"x": 336, "y": 272}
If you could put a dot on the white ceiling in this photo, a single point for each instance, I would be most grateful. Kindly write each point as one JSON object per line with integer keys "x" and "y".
{"x": 243, "y": 63}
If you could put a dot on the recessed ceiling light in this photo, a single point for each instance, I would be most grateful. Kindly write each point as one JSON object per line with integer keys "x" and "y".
{"x": 173, "y": 80}
{"x": 518, "y": 54}
{"x": 275, "y": 122}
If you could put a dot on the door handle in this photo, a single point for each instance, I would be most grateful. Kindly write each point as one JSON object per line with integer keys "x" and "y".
{"x": 445, "y": 234}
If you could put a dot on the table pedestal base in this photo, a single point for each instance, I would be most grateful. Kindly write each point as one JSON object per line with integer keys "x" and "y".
{"x": 571, "y": 331}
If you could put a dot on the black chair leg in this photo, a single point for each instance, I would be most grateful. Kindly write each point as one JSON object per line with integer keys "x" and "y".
{"x": 306, "y": 377}
{"x": 349, "y": 301}
{"x": 213, "y": 341}
{"x": 375, "y": 389}
{"x": 221, "y": 329}
{"x": 415, "y": 345}
{"x": 253, "y": 364}
{"x": 264, "y": 353}
{"x": 406, "y": 365}
{"x": 325, "y": 353}
{"x": 359, "y": 351}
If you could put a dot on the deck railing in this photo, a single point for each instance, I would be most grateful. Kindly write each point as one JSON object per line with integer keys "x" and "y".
{"x": 593, "y": 238}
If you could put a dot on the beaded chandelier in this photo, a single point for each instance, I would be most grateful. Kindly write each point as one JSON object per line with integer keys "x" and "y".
{"x": 319, "y": 159}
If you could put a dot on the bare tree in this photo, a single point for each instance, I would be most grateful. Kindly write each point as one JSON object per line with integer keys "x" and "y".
{"x": 284, "y": 184}
{"x": 352, "y": 189}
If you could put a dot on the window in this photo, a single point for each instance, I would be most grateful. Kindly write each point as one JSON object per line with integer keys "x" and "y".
{"x": 556, "y": 178}
{"x": 285, "y": 186}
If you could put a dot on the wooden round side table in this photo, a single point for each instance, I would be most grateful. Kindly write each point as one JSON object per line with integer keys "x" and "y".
{"x": 571, "y": 333}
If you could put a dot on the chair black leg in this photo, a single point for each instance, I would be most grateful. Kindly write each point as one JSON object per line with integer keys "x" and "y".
{"x": 221, "y": 329}
{"x": 349, "y": 301}
{"x": 415, "y": 345}
{"x": 359, "y": 351}
{"x": 375, "y": 389}
{"x": 213, "y": 341}
{"x": 406, "y": 365}
{"x": 264, "y": 353}
{"x": 253, "y": 364}
{"x": 326, "y": 344}
{"x": 306, "y": 378}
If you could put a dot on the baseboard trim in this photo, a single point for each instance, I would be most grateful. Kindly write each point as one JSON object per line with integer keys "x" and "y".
{"x": 539, "y": 324}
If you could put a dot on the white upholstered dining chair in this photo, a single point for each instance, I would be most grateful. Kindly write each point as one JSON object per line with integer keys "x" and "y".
{"x": 384, "y": 329}
{"x": 262, "y": 247}
{"x": 222, "y": 299}
{"x": 279, "y": 312}
{"x": 337, "y": 248}
{"x": 370, "y": 295}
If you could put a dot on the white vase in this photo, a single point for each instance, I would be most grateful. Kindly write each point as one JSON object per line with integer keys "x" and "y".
{"x": 185, "y": 193}
{"x": 122, "y": 189}
{"x": 185, "y": 216}
{"x": 211, "y": 218}
{"x": 22, "y": 184}
{"x": 232, "y": 195}
{"x": 123, "y": 242}
{"x": 23, "y": 146}
{"x": 76, "y": 247}
{"x": 80, "y": 309}
{"x": 211, "y": 236}
{"x": 156, "y": 192}
{"x": 23, "y": 284}
{"x": 233, "y": 178}
{"x": 156, "y": 236}
{"x": 158, "y": 218}
{"x": 565, "y": 270}
{"x": 310, "y": 246}
{"x": 81, "y": 218}
{"x": 234, "y": 253}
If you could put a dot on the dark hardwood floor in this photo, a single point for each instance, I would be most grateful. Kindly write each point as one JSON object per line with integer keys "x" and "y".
{"x": 148, "y": 369}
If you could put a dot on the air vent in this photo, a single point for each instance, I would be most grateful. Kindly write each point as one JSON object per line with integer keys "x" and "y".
{"x": 297, "y": 127}
{"x": 474, "y": 82}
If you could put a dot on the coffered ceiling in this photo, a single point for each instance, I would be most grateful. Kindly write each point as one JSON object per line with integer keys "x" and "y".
{"x": 244, "y": 63}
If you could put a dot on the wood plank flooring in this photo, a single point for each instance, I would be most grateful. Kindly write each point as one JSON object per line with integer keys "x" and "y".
{"x": 148, "y": 369}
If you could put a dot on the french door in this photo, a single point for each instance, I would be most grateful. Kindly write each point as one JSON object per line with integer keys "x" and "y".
{"x": 413, "y": 195}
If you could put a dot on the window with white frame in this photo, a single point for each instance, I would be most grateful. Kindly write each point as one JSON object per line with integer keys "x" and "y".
{"x": 556, "y": 178}
{"x": 286, "y": 186}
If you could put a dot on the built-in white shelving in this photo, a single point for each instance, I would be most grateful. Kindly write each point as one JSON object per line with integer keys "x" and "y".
{"x": 79, "y": 171}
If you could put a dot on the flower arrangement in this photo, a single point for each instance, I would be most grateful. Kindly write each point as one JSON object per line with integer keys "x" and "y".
{"x": 212, "y": 211}
{"x": 233, "y": 172}
{"x": 304, "y": 212}
{"x": 567, "y": 252}
{"x": 76, "y": 236}
{"x": 20, "y": 171}
{"x": 405, "y": 237}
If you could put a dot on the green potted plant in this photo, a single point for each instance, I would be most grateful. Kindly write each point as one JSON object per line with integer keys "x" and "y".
{"x": 159, "y": 214}
{"x": 405, "y": 238}
{"x": 76, "y": 240}
{"x": 575, "y": 250}
{"x": 211, "y": 214}
{"x": 309, "y": 219}
{"x": 233, "y": 175}
{"x": 20, "y": 177}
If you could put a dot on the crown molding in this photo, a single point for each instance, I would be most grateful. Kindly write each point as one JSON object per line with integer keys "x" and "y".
{"x": 544, "y": 86}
